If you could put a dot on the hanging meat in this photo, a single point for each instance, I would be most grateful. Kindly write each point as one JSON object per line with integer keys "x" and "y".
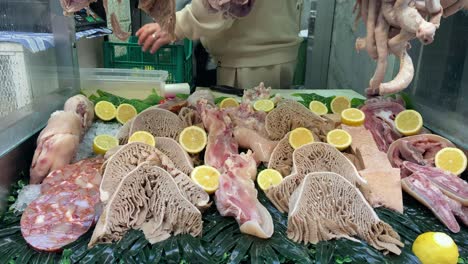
{"x": 390, "y": 26}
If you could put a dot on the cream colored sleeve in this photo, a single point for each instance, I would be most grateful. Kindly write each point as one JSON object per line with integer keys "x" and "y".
{"x": 196, "y": 21}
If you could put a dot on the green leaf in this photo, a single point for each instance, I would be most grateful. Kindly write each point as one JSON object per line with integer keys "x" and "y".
{"x": 357, "y": 102}
{"x": 240, "y": 250}
{"x": 183, "y": 96}
{"x": 171, "y": 250}
{"x": 138, "y": 245}
{"x": 11, "y": 198}
{"x": 255, "y": 257}
{"x": 219, "y": 99}
{"x": 461, "y": 260}
{"x": 154, "y": 253}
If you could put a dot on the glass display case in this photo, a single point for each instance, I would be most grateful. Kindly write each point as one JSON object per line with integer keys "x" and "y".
{"x": 440, "y": 86}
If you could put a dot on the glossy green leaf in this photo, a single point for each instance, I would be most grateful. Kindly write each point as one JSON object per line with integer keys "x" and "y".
{"x": 138, "y": 245}
{"x": 240, "y": 250}
{"x": 154, "y": 253}
{"x": 255, "y": 257}
{"x": 10, "y": 231}
{"x": 198, "y": 251}
{"x": 211, "y": 234}
{"x": 171, "y": 250}
{"x": 269, "y": 255}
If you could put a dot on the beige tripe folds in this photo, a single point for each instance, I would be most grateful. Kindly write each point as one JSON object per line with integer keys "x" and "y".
{"x": 324, "y": 198}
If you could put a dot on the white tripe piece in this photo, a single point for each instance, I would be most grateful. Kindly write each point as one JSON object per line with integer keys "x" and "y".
{"x": 98, "y": 128}
{"x": 28, "y": 194}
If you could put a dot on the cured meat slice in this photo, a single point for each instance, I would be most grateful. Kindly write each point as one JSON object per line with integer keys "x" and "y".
{"x": 380, "y": 120}
{"x": 420, "y": 149}
{"x": 289, "y": 115}
{"x": 84, "y": 174}
{"x": 449, "y": 184}
{"x": 159, "y": 122}
{"x": 282, "y": 157}
{"x": 345, "y": 214}
{"x": 315, "y": 157}
{"x": 56, "y": 219}
{"x": 422, "y": 189}
{"x": 147, "y": 199}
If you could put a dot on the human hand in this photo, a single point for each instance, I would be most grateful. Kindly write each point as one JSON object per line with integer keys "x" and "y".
{"x": 152, "y": 37}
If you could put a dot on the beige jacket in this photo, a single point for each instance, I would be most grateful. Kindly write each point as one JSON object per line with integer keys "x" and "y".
{"x": 267, "y": 36}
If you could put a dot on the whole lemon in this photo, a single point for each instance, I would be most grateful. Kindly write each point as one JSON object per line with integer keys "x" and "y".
{"x": 435, "y": 248}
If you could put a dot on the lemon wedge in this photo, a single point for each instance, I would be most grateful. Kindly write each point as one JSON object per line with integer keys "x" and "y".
{"x": 409, "y": 122}
{"x": 102, "y": 143}
{"x": 340, "y": 103}
{"x": 339, "y": 138}
{"x": 352, "y": 117}
{"x": 452, "y": 160}
{"x": 228, "y": 102}
{"x": 125, "y": 112}
{"x": 105, "y": 110}
{"x": 193, "y": 139}
{"x": 269, "y": 178}
{"x": 143, "y": 137}
{"x": 300, "y": 137}
{"x": 435, "y": 248}
{"x": 318, "y": 108}
{"x": 206, "y": 177}
{"x": 264, "y": 105}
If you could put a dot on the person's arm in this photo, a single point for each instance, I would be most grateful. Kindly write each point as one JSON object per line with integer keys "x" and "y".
{"x": 192, "y": 22}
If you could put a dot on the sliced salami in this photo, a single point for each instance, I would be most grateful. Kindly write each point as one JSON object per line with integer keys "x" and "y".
{"x": 84, "y": 174}
{"x": 56, "y": 219}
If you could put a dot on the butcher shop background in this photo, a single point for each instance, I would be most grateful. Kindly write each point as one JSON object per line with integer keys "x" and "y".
{"x": 440, "y": 87}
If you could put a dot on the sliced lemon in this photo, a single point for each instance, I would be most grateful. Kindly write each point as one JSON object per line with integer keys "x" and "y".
{"x": 125, "y": 112}
{"x": 435, "y": 248}
{"x": 206, "y": 177}
{"x": 193, "y": 139}
{"x": 318, "y": 108}
{"x": 339, "y": 138}
{"x": 300, "y": 137}
{"x": 228, "y": 102}
{"x": 269, "y": 178}
{"x": 409, "y": 122}
{"x": 352, "y": 117}
{"x": 143, "y": 137}
{"x": 102, "y": 143}
{"x": 340, "y": 103}
{"x": 105, "y": 110}
{"x": 264, "y": 105}
{"x": 452, "y": 160}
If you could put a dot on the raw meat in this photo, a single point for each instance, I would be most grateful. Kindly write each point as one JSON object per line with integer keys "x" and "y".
{"x": 82, "y": 106}
{"x": 449, "y": 184}
{"x": 159, "y": 122}
{"x": 56, "y": 145}
{"x": 162, "y": 11}
{"x": 380, "y": 115}
{"x": 72, "y": 6}
{"x": 174, "y": 105}
{"x": 262, "y": 147}
{"x": 232, "y": 8}
{"x": 423, "y": 190}
{"x": 345, "y": 214}
{"x": 246, "y": 116}
{"x": 420, "y": 149}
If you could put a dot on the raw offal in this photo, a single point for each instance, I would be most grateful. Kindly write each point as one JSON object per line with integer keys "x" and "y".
{"x": 390, "y": 26}
{"x": 236, "y": 196}
{"x": 385, "y": 188}
{"x": 82, "y": 106}
{"x": 200, "y": 95}
{"x": 289, "y": 115}
{"x": 56, "y": 219}
{"x": 257, "y": 93}
{"x": 175, "y": 153}
{"x": 345, "y": 214}
{"x": 57, "y": 144}
{"x": 314, "y": 157}
{"x": 423, "y": 190}
{"x": 232, "y": 8}
{"x": 452, "y": 186}
{"x": 419, "y": 149}
{"x": 147, "y": 199}
{"x": 163, "y": 12}
{"x": 158, "y": 122}
{"x": 71, "y": 6}
{"x": 262, "y": 147}
{"x": 380, "y": 120}
{"x": 281, "y": 158}
{"x": 190, "y": 117}
{"x": 174, "y": 105}
{"x": 246, "y": 116}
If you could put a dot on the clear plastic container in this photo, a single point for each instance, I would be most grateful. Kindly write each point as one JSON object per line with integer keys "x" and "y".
{"x": 128, "y": 83}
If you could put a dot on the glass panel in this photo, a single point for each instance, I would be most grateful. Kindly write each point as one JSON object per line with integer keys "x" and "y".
{"x": 440, "y": 87}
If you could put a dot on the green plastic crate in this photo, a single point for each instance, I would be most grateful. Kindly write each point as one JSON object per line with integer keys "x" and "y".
{"x": 176, "y": 59}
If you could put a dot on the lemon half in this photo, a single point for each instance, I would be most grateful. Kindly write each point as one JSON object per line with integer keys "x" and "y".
{"x": 264, "y": 105}
{"x": 409, "y": 122}
{"x": 193, "y": 139}
{"x": 143, "y": 137}
{"x": 102, "y": 143}
{"x": 340, "y": 103}
{"x": 352, "y": 117}
{"x": 228, "y": 102}
{"x": 452, "y": 160}
{"x": 105, "y": 110}
{"x": 318, "y": 108}
{"x": 339, "y": 138}
{"x": 300, "y": 137}
{"x": 125, "y": 112}
{"x": 206, "y": 177}
{"x": 268, "y": 178}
